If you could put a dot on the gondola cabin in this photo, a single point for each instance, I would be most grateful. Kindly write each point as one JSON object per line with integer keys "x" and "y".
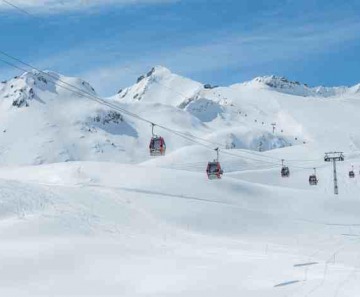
{"x": 352, "y": 174}
{"x": 157, "y": 146}
{"x": 313, "y": 181}
{"x": 214, "y": 170}
{"x": 285, "y": 171}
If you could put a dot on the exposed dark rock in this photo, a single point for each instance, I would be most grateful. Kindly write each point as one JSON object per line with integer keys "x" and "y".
{"x": 150, "y": 72}
{"x": 140, "y": 78}
{"x": 110, "y": 117}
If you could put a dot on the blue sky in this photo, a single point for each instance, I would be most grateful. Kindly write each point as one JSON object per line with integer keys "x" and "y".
{"x": 111, "y": 42}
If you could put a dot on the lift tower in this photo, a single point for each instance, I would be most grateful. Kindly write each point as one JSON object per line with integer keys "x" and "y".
{"x": 333, "y": 157}
{"x": 273, "y": 127}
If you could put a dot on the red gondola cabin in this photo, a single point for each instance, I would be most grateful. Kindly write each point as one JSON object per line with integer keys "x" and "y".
{"x": 313, "y": 181}
{"x": 285, "y": 171}
{"x": 157, "y": 146}
{"x": 214, "y": 170}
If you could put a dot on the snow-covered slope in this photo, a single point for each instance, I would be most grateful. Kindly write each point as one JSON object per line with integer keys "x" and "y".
{"x": 283, "y": 85}
{"x": 159, "y": 85}
{"x": 42, "y": 122}
{"x": 21, "y": 90}
{"x": 105, "y": 229}
{"x": 43, "y": 113}
{"x": 139, "y": 226}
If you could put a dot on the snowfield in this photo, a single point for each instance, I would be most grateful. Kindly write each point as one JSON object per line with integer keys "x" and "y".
{"x": 84, "y": 211}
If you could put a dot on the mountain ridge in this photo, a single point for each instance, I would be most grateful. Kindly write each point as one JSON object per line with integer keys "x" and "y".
{"x": 284, "y": 85}
{"x": 22, "y": 90}
{"x": 57, "y": 125}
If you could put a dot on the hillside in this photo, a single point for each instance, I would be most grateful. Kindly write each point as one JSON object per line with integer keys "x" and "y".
{"x": 85, "y": 211}
{"x": 101, "y": 229}
{"x": 56, "y": 124}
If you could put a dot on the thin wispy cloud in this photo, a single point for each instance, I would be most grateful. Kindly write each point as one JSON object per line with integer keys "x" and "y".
{"x": 111, "y": 49}
{"x": 61, "y": 6}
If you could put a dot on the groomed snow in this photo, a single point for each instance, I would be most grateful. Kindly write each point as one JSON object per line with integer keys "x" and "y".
{"x": 84, "y": 211}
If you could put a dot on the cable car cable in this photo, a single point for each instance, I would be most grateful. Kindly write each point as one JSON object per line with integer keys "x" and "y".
{"x": 99, "y": 100}
{"x": 124, "y": 110}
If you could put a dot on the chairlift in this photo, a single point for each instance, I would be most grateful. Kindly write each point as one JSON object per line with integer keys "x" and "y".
{"x": 313, "y": 180}
{"x": 157, "y": 144}
{"x": 213, "y": 169}
{"x": 285, "y": 171}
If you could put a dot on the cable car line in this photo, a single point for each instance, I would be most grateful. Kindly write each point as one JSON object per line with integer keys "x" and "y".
{"x": 191, "y": 138}
{"x": 18, "y": 8}
{"x": 127, "y": 68}
{"x": 102, "y": 101}
{"x": 91, "y": 96}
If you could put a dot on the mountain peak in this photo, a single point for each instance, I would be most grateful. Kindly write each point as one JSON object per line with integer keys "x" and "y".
{"x": 160, "y": 85}
{"x": 21, "y": 90}
{"x": 156, "y": 71}
{"x": 274, "y": 81}
{"x": 283, "y": 85}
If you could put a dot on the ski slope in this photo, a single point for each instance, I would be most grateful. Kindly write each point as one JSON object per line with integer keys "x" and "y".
{"x": 84, "y": 211}
{"x": 106, "y": 229}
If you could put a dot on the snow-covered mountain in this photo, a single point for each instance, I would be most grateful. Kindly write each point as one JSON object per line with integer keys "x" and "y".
{"x": 283, "y": 85}
{"x": 21, "y": 90}
{"x": 241, "y": 115}
{"x": 159, "y": 227}
{"x": 42, "y": 122}
{"x": 46, "y": 118}
{"x": 159, "y": 85}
